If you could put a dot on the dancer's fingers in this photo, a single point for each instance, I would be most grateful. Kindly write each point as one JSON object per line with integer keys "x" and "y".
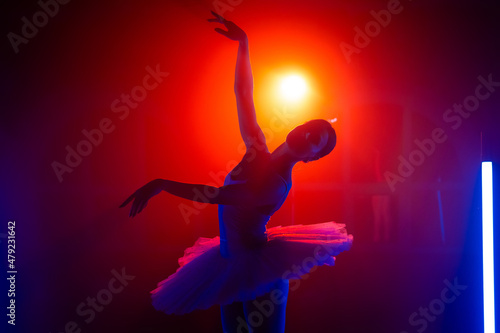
{"x": 142, "y": 206}
{"x": 222, "y": 32}
{"x": 127, "y": 201}
{"x": 218, "y": 17}
{"x": 133, "y": 210}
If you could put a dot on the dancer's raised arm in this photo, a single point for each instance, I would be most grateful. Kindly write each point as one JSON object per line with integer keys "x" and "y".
{"x": 243, "y": 85}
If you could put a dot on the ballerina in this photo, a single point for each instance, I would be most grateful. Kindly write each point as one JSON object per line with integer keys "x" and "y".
{"x": 247, "y": 269}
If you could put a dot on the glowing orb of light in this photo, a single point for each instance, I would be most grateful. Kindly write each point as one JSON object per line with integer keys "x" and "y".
{"x": 293, "y": 88}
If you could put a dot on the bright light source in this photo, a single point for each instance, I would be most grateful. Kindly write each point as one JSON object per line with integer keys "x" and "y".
{"x": 293, "y": 88}
{"x": 488, "y": 260}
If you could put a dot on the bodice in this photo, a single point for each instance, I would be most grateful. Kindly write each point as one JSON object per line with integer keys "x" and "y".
{"x": 245, "y": 226}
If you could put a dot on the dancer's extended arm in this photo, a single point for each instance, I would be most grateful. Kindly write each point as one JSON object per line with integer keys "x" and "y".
{"x": 236, "y": 194}
{"x": 243, "y": 85}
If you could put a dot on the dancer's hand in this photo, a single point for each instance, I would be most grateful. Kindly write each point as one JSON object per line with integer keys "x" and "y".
{"x": 142, "y": 195}
{"x": 233, "y": 31}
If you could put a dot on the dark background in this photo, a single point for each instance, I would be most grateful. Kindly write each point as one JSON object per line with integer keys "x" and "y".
{"x": 70, "y": 234}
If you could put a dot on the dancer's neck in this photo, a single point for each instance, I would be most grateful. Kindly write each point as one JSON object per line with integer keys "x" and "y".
{"x": 283, "y": 160}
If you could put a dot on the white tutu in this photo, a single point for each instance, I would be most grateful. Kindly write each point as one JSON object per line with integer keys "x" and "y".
{"x": 205, "y": 278}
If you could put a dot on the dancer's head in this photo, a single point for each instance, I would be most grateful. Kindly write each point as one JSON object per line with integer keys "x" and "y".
{"x": 312, "y": 140}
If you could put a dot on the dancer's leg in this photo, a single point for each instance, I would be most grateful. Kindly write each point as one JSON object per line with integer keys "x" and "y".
{"x": 267, "y": 313}
{"x": 233, "y": 318}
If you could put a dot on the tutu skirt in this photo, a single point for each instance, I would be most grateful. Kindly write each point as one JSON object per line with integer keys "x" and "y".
{"x": 205, "y": 278}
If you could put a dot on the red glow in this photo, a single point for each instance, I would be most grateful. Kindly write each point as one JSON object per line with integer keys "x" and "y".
{"x": 274, "y": 52}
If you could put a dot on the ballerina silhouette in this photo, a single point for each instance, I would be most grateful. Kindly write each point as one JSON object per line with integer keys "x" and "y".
{"x": 246, "y": 270}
